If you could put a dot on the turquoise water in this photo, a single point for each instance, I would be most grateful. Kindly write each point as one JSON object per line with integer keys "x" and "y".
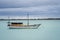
{"x": 49, "y": 30}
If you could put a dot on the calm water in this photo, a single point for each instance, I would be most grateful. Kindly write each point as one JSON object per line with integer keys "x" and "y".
{"x": 49, "y": 30}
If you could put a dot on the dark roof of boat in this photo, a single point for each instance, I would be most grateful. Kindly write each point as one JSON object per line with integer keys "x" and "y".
{"x": 16, "y": 23}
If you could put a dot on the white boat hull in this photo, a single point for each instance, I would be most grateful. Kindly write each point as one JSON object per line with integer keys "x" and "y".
{"x": 25, "y": 26}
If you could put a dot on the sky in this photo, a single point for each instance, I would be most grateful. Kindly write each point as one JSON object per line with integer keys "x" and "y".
{"x": 35, "y": 8}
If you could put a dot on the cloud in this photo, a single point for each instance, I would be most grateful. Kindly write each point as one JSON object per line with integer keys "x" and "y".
{"x": 26, "y": 3}
{"x": 38, "y": 9}
{"x": 42, "y": 8}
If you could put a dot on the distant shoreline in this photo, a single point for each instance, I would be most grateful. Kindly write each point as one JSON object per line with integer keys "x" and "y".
{"x": 34, "y": 19}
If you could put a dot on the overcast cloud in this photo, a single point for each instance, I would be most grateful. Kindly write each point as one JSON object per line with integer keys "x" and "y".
{"x": 42, "y": 8}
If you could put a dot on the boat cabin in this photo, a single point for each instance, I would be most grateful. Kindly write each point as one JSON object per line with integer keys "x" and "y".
{"x": 15, "y": 24}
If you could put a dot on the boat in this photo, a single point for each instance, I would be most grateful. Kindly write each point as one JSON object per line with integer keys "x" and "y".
{"x": 17, "y": 25}
{"x": 20, "y": 25}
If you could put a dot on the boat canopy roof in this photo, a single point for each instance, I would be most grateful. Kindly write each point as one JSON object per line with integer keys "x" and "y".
{"x": 16, "y": 23}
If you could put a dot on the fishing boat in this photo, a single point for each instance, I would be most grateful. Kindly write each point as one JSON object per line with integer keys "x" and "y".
{"x": 20, "y": 25}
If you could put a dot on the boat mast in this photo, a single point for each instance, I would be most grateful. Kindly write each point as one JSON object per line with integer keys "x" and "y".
{"x": 27, "y": 18}
{"x": 9, "y": 20}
